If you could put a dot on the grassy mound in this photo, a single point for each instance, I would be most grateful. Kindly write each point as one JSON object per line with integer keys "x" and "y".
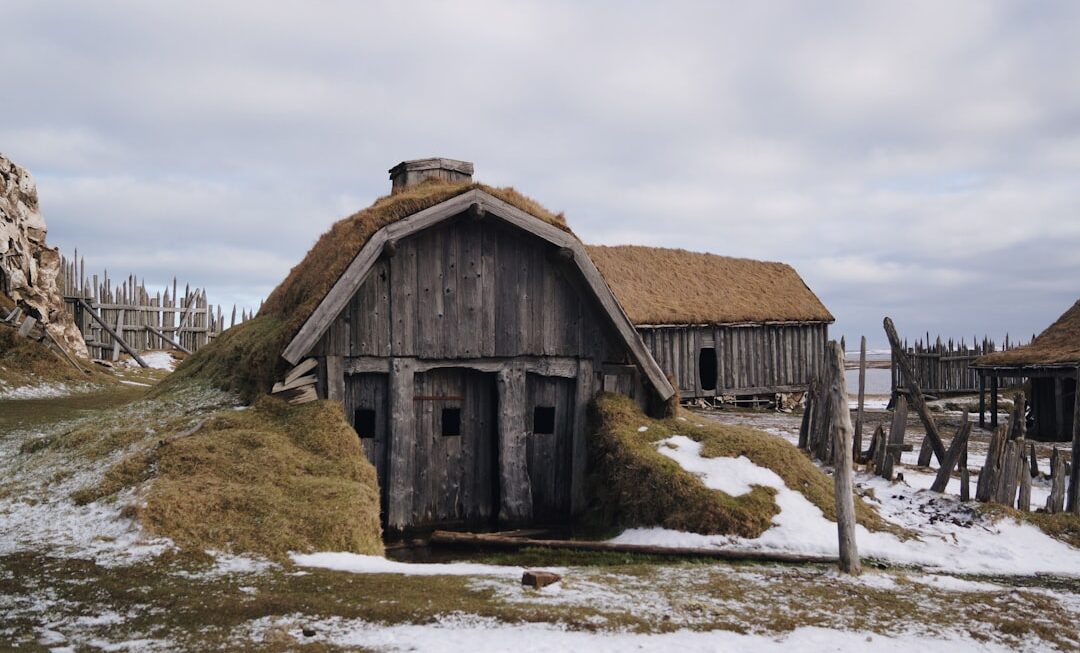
{"x": 246, "y": 359}
{"x": 270, "y": 479}
{"x": 632, "y": 484}
{"x": 24, "y": 362}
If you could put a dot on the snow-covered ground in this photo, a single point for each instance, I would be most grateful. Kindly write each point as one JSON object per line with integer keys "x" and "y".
{"x": 155, "y": 360}
{"x": 43, "y": 390}
{"x": 467, "y": 633}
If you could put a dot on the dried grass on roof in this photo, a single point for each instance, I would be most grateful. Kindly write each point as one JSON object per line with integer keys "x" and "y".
{"x": 674, "y": 286}
{"x": 1058, "y": 344}
{"x": 247, "y": 358}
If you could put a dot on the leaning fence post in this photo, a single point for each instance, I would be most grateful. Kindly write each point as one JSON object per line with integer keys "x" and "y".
{"x": 856, "y": 448}
{"x": 840, "y": 431}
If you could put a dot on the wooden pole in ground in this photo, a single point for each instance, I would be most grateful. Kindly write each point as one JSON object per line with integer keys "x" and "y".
{"x": 108, "y": 329}
{"x": 1074, "y": 476}
{"x": 856, "y": 448}
{"x": 915, "y": 395}
{"x": 952, "y": 456}
{"x": 840, "y": 430}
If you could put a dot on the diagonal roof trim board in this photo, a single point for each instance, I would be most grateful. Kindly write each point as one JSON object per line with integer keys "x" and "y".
{"x": 351, "y": 280}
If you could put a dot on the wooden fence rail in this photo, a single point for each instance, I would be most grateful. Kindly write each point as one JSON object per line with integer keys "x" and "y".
{"x": 180, "y": 318}
{"x": 943, "y": 367}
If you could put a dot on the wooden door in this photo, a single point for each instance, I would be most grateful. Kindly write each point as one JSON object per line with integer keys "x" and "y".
{"x": 456, "y": 477}
{"x": 368, "y": 410}
{"x": 550, "y": 418}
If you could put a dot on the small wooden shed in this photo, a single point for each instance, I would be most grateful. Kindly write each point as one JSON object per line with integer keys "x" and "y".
{"x": 465, "y": 340}
{"x": 720, "y": 325}
{"x": 1051, "y": 362}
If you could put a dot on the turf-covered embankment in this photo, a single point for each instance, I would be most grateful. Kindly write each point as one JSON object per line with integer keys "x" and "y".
{"x": 631, "y": 484}
{"x": 269, "y": 479}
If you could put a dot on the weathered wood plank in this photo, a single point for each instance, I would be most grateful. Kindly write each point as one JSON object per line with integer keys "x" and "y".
{"x": 841, "y": 436}
{"x": 914, "y": 392}
{"x": 401, "y": 463}
{"x": 514, "y": 489}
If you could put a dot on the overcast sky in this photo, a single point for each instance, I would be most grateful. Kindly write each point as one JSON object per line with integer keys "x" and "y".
{"x": 920, "y": 160}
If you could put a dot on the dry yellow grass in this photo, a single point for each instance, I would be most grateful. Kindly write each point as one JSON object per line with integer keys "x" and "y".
{"x": 270, "y": 479}
{"x": 1059, "y": 343}
{"x": 632, "y": 484}
{"x": 673, "y": 286}
{"x": 24, "y": 361}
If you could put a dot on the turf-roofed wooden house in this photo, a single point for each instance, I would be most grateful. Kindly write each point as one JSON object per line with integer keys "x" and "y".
{"x": 720, "y": 326}
{"x": 1051, "y": 362}
{"x": 465, "y": 340}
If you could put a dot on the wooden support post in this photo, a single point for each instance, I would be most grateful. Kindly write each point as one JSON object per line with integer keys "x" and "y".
{"x": 993, "y": 402}
{"x": 120, "y": 330}
{"x": 915, "y": 394}
{"x": 402, "y": 458}
{"x": 896, "y": 437}
{"x": 982, "y": 400}
{"x": 879, "y": 450}
{"x": 952, "y": 456}
{"x": 988, "y": 476}
{"x": 335, "y": 378}
{"x": 807, "y": 417}
{"x": 584, "y": 390}
{"x": 108, "y": 329}
{"x": 1034, "y": 464}
{"x": 514, "y": 488}
{"x": 1023, "y": 502}
{"x": 167, "y": 339}
{"x": 840, "y": 431}
{"x": 1056, "y": 501}
{"x": 965, "y": 475}
{"x": 857, "y": 442}
{"x": 1074, "y": 477}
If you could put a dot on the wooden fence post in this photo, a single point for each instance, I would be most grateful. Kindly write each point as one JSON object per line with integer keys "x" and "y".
{"x": 840, "y": 431}
{"x": 1074, "y": 476}
{"x": 856, "y": 448}
{"x": 914, "y": 391}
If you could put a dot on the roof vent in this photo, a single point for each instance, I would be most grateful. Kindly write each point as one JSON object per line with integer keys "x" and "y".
{"x": 410, "y": 173}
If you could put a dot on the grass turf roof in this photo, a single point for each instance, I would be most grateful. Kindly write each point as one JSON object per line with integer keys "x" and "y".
{"x": 673, "y": 286}
{"x": 247, "y": 358}
{"x": 1058, "y": 344}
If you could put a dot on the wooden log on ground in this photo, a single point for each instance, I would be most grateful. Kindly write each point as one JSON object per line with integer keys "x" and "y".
{"x": 485, "y": 540}
{"x": 857, "y": 442}
{"x": 1055, "y": 503}
{"x": 914, "y": 392}
{"x": 1074, "y": 477}
{"x": 952, "y": 456}
{"x": 840, "y": 432}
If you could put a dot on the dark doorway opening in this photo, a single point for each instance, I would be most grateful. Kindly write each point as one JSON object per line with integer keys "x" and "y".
{"x": 451, "y": 421}
{"x": 707, "y": 368}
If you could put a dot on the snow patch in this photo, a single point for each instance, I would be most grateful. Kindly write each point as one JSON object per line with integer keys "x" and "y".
{"x": 367, "y": 564}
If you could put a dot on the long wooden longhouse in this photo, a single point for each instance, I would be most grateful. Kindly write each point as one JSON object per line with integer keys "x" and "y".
{"x": 720, "y": 325}
{"x": 465, "y": 341}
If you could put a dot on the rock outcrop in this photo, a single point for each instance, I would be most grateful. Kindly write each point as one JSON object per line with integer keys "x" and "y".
{"x": 28, "y": 267}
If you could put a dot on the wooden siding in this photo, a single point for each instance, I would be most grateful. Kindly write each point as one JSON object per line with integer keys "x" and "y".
{"x": 369, "y": 391}
{"x": 752, "y": 359}
{"x": 470, "y": 289}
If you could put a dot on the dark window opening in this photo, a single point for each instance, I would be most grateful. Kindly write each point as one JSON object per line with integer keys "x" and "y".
{"x": 544, "y": 420}
{"x": 451, "y": 421}
{"x": 364, "y": 422}
{"x": 707, "y": 368}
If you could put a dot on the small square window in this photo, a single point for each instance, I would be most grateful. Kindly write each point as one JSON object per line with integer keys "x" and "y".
{"x": 364, "y": 422}
{"x": 451, "y": 421}
{"x": 544, "y": 420}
